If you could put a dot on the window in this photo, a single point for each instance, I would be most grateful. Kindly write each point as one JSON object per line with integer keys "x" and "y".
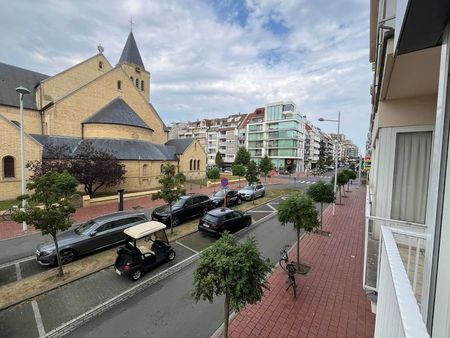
{"x": 145, "y": 170}
{"x": 119, "y": 85}
{"x": 8, "y": 167}
{"x": 142, "y": 85}
{"x": 162, "y": 168}
{"x": 190, "y": 165}
{"x": 137, "y": 83}
{"x": 131, "y": 78}
{"x": 100, "y": 65}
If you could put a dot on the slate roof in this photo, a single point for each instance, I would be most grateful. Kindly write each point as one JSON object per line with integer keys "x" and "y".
{"x": 12, "y": 77}
{"x": 180, "y": 144}
{"x": 117, "y": 112}
{"x": 122, "y": 149}
{"x": 130, "y": 53}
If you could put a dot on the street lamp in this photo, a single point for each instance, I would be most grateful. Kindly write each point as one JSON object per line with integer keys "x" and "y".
{"x": 22, "y": 91}
{"x": 336, "y": 156}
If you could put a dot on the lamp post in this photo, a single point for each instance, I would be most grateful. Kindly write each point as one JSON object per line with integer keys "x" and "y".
{"x": 22, "y": 91}
{"x": 336, "y": 156}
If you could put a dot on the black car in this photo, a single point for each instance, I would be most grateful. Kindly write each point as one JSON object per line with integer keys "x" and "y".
{"x": 93, "y": 235}
{"x": 221, "y": 219}
{"x": 186, "y": 207}
{"x": 233, "y": 198}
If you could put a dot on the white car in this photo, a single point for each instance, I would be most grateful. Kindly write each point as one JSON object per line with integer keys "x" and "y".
{"x": 252, "y": 192}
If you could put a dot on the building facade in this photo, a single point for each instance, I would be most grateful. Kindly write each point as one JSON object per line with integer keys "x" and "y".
{"x": 279, "y": 133}
{"x": 312, "y": 145}
{"x": 93, "y": 102}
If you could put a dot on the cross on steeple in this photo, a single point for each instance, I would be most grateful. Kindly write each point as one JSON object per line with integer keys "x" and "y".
{"x": 131, "y": 23}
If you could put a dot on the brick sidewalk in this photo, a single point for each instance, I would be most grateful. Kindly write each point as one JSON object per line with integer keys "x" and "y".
{"x": 330, "y": 301}
{"x": 9, "y": 229}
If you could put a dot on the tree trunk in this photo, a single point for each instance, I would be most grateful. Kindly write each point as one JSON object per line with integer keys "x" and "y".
{"x": 171, "y": 224}
{"x": 298, "y": 249}
{"x": 321, "y": 212}
{"x": 58, "y": 257}
{"x": 226, "y": 308}
{"x": 340, "y": 195}
{"x": 239, "y": 181}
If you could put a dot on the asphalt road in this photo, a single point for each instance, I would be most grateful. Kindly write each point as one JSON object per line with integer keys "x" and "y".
{"x": 167, "y": 308}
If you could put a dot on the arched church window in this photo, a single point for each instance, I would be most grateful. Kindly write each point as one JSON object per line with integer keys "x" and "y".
{"x": 190, "y": 165}
{"x": 198, "y": 164}
{"x": 161, "y": 168}
{"x": 8, "y": 167}
{"x": 145, "y": 170}
{"x": 137, "y": 83}
{"x": 119, "y": 85}
{"x": 100, "y": 65}
{"x": 142, "y": 85}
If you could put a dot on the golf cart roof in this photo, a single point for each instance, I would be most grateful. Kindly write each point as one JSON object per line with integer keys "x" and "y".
{"x": 144, "y": 229}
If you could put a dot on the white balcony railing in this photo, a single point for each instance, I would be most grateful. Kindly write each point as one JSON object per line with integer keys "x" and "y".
{"x": 398, "y": 313}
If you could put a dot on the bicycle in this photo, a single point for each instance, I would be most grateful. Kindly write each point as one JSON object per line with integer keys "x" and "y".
{"x": 290, "y": 268}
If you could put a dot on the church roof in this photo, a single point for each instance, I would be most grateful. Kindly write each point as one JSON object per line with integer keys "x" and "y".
{"x": 180, "y": 144}
{"x": 117, "y": 112}
{"x": 12, "y": 77}
{"x": 130, "y": 53}
{"x": 122, "y": 149}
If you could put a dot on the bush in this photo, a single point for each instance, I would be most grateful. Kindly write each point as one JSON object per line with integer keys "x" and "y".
{"x": 213, "y": 173}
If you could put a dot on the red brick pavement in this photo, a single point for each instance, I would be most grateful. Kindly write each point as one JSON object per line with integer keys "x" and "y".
{"x": 330, "y": 301}
{"x": 9, "y": 229}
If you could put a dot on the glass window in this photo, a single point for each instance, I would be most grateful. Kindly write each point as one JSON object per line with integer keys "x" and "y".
{"x": 119, "y": 85}
{"x": 86, "y": 228}
{"x": 210, "y": 218}
{"x": 8, "y": 167}
{"x": 142, "y": 85}
{"x": 137, "y": 83}
{"x": 100, "y": 65}
{"x": 180, "y": 203}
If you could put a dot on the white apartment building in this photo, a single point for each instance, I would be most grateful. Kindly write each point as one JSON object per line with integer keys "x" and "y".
{"x": 277, "y": 131}
{"x": 407, "y": 227}
{"x": 312, "y": 145}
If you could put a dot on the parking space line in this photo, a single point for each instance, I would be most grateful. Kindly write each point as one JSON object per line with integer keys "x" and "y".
{"x": 29, "y": 258}
{"x": 18, "y": 271}
{"x": 37, "y": 316}
{"x": 186, "y": 247}
{"x": 271, "y": 207}
{"x": 259, "y": 210}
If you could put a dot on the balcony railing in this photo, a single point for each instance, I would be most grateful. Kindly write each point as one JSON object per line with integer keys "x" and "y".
{"x": 398, "y": 313}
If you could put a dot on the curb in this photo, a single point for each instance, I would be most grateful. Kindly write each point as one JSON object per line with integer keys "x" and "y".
{"x": 69, "y": 326}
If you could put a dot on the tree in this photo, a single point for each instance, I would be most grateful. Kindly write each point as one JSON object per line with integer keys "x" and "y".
{"x": 239, "y": 171}
{"x": 236, "y": 270}
{"x": 213, "y": 173}
{"x": 172, "y": 188}
{"x": 242, "y": 156}
{"x": 252, "y": 174}
{"x": 351, "y": 176}
{"x": 301, "y": 212}
{"x": 342, "y": 180}
{"x": 48, "y": 208}
{"x": 96, "y": 168}
{"x": 219, "y": 160}
{"x": 321, "y": 192}
{"x": 265, "y": 166}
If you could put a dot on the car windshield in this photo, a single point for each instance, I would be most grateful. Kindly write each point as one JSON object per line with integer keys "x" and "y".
{"x": 179, "y": 203}
{"x": 219, "y": 193}
{"x": 85, "y": 229}
{"x": 248, "y": 187}
{"x": 210, "y": 218}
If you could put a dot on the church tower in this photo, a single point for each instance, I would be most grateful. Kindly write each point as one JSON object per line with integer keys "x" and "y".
{"x": 132, "y": 64}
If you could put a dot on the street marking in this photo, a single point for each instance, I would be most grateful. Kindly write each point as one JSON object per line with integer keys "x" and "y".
{"x": 302, "y": 181}
{"x": 313, "y": 182}
{"x": 18, "y": 272}
{"x": 37, "y": 316}
{"x": 271, "y": 207}
{"x": 259, "y": 211}
{"x": 25, "y": 259}
{"x": 186, "y": 247}
{"x": 308, "y": 182}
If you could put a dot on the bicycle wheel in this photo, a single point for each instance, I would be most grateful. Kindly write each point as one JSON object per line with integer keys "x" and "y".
{"x": 283, "y": 263}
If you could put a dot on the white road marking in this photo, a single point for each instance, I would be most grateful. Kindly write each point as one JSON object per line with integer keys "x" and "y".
{"x": 37, "y": 316}
{"x": 259, "y": 211}
{"x": 186, "y": 247}
{"x": 308, "y": 182}
{"x": 302, "y": 181}
{"x": 18, "y": 271}
{"x": 271, "y": 207}
{"x": 29, "y": 258}
{"x": 313, "y": 182}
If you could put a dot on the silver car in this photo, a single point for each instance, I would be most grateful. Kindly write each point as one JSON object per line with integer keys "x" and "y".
{"x": 252, "y": 192}
{"x": 93, "y": 235}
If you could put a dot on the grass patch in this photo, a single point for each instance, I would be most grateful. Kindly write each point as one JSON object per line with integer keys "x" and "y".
{"x": 8, "y": 204}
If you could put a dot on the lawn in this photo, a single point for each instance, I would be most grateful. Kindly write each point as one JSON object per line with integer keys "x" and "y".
{"x": 8, "y": 204}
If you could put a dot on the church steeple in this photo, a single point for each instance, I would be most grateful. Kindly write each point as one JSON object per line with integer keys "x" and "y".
{"x": 130, "y": 53}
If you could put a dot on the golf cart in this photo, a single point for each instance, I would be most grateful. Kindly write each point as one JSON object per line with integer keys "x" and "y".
{"x": 133, "y": 259}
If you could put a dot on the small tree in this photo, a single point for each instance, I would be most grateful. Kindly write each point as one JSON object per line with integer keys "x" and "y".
{"x": 48, "y": 208}
{"x": 342, "y": 180}
{"x": 242, "y": 156}
{"x": 171, "y": 188}
{"x": 251, "y": 174}
{"x": 219, "y": 160}
{"x": 301, "y": 212}
{"x": 213, "y": 173}
{"x": 321, "y": 192}
{"x": 265, "y": 166}
{"x": 236, "y": 270}
{"x": 239, "y": 171}
{"x": 351, "y": 176}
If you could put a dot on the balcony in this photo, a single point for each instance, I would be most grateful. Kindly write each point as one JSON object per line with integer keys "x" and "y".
{"x": 393, "y": 268}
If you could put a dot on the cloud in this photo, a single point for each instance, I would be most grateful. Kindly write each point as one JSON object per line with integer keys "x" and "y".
{"x": 209, "y": 57}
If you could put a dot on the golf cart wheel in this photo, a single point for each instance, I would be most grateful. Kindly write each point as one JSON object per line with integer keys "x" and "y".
{"x": 67, "y": 256}
{"x": 175, "y": 221}
{"x": 136, "y": 274}
{"x": 171, "y": 255}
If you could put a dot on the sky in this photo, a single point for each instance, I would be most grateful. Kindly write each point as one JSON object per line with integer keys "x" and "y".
{"x": 210, "y": 58}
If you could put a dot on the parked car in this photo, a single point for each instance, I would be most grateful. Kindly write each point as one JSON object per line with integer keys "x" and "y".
{"x": 134, "y": 259}
{"x": 186, "y": 207}
{"x": 218, "y": 220}
{"x": 93, "y": 235}
{"x": 252, "y": 192}
{"x": 233, "y": 198}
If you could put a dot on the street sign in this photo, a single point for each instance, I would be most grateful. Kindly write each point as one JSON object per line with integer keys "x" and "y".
{"x": 224, "y": 182}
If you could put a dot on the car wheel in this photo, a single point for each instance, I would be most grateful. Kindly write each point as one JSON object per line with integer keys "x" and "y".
{"x": 248, "y": 223}
{"x": 175, "y": 221}
{"x": 136, "y": 274}
{"x": 263, "y": 194}
{"x": 67, "y": 256}
{"x": 171, "y": 256}
{"x": 239, "y": 201}
{"x": 205, "y": 211}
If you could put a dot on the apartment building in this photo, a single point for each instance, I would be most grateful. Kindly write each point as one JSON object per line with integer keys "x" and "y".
{"x": 312, "y": 145}
{"x": 278, "y": 131}
{"x": 326, "y": 146}
{"x": 408, "y": 201}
